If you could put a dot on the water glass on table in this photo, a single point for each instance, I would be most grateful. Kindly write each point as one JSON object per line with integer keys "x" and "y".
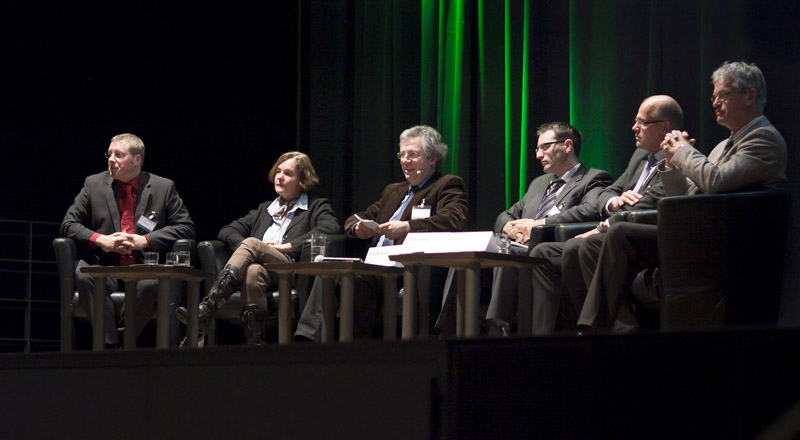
{"x": 183, "y": 258}
{"x": 318, "y": 243}
{"x": 503, "y": 244}
{"x": 151, "y": 258}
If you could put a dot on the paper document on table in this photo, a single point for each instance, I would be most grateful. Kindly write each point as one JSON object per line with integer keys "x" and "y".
{"x": 380, "y": 255}
{"x": 441, "y": 242}
{"x": 371, "y": 224}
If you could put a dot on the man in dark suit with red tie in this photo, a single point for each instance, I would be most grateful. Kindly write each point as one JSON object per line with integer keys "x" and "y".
{"x": 118, "y": 214}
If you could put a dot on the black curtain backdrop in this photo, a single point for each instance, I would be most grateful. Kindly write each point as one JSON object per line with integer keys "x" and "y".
{"x": 217, "y": 91}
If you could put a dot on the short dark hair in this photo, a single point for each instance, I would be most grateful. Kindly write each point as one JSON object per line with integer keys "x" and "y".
{"x": 563, "y": 131}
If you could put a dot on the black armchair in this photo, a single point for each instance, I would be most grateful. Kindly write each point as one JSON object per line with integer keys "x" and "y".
{"x": 721, "y": 259}
{"x": 67, "y": 260}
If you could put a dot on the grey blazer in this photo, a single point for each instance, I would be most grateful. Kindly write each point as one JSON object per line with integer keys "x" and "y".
{"x": 576, "y": 201}
{"x": 757, "y": 160}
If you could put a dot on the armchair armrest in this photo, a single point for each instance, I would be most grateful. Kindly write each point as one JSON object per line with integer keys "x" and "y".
{"x": 67, "y": 260}
{"x": 542, "y": 234}
{"x": 213, "y": 255}
{"x": 646, "y": 216}
{"x": 565, "y": 231}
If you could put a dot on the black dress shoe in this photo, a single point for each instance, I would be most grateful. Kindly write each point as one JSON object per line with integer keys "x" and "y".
{"x": 495, "y": 328}
{"x": 301, "y": 338}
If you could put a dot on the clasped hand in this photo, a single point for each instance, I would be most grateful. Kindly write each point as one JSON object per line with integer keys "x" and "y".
{"x": 520, "y": 230}
{"x": 673, "y": 141}
{"x": 122, "y": 242}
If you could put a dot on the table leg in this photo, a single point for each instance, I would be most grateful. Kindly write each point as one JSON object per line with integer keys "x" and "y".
{"x": 409, "y": 302}
{"x": 460, "y": 287}
{"x": 131, "y": 305}
{"x": 284, "y": 308}
{"x": 328, "y": 308}
{"x": 98, "y": 332}
{"x": 389, "y": 308}
{"x": 193, "y": 304}
{"x": 472, "y": 325}
{"x": 162, "y": 313}
{"x": 525, "y": 301}
{"x": 346, "y": 306}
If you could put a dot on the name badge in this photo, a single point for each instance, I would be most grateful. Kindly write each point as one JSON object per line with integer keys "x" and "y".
{"x": 147, "y": 223}
{"x": 420, "y": 212}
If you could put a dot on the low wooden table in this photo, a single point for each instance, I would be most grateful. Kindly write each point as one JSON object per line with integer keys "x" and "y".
{"x": 468, "y": 266}
{"x": 346, "y": 271}
{"x": 131, "y": 275}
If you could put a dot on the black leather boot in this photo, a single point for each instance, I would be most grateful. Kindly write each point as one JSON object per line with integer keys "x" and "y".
{"x": 254, "y": 320}
{"x": 228, "y": 281}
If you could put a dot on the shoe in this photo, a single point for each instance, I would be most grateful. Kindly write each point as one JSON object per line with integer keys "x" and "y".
{"x": 254, "y": 321}
{"x": 301, "y": 338}
{"x": 204, "y": 316}
{"x": 495, "y": 328}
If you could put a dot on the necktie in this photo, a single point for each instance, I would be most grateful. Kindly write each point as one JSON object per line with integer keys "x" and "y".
{"x": 549, "y": 199}
{"x": 127, "y": 208}
{"x": 725, "y": 150}
{"x": 648, "y": 168}
{"x": 399, "y": 213}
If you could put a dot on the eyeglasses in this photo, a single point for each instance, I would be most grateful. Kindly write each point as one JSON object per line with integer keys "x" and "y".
{"x": 642, "y": 123}
{"x": 723, "y": 96}
{"x": 118, "y": 155}
{"x": 409, "y": 154}
{"x": 546, "y": 145}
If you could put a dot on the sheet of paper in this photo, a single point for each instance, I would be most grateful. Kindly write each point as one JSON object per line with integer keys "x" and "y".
{"x": 371, "y": 224}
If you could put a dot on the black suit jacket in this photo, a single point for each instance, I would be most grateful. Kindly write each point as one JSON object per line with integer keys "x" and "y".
{"x": 576, "y": 201}
{"x": 318, "y": 218}
{"x": 96, "y": 209}
{"x": 652, "y": 192}
{"x": 444, "y": 193}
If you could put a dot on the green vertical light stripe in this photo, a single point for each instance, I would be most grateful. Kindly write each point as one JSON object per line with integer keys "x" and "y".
{"x": 454, "y": 68}
{"x": 507, "y": 99}
{"x": 526, "y": 67}
{"x": 440, "y": 65}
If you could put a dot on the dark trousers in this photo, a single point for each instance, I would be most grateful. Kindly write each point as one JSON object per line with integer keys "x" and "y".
{"x": 558, "y": 287}
{"x": 609, "y": 263}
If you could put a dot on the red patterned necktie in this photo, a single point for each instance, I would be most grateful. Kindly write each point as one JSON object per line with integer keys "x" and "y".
{"x": 127, "y": 206}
